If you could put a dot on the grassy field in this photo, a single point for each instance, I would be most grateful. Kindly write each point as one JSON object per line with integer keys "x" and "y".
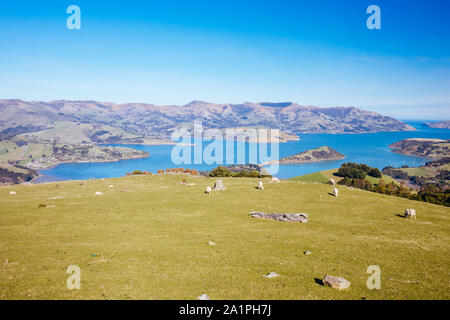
{"x": 147, "y": 239}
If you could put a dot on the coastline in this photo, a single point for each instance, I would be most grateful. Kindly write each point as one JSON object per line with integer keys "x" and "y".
{"x": 85, "y": 161}
{"x": 277, "y": 162}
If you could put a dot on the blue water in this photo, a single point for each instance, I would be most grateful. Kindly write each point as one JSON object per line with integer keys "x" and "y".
{"x": 371, "y": 149}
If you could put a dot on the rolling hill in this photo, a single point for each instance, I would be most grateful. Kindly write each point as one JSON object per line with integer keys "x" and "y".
{"x": 147, "y": 238}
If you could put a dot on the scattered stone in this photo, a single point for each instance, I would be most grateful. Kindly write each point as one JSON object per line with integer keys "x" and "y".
{"x": 208, "y": 190}
{"x": 58, "y": 186}
{"x": 410, "y": 213}
{"x": 336, "y": 282}
{"x": 98, "y": 193}
{"x": 12, "y": 193}
{"x": 184, "y": 183}
{"x": 211, "y": 243}
{"x": 203, "y": 297}
{"x": 289, "y": 217}
{"x": 307, "y": 252}
{"x": 218, "y": 185}
{"x": 55, "y": 198}
{"x": 9, "y": 264}
{"x": 124, "y": 190}
{"x": 271, "y": 275}
{"x": 42, "y": 205}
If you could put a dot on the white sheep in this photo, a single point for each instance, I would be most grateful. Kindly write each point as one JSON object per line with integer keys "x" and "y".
{"x": 261, "y": 186}
{"x": 332, "y": 182}
{"x": 98, "y": 193}
{"x": 275, "y": 180}
{"x": 12, "y": 193}
{"x": 335, "y": 192}
{"x": 410, "y": 213}
{"x": 208, "y": 190}
{"x": 111, "y": 186}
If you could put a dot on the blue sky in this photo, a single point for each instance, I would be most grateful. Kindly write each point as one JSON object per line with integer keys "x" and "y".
{"x": 171, "y": 52}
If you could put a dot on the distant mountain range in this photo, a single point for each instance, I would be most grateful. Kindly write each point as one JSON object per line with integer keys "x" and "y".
{"x": 104, "y": 122}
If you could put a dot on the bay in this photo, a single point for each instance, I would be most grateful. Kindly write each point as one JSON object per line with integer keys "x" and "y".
{"x": 371, "y": 149}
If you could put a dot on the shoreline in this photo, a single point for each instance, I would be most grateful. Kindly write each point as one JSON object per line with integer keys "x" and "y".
{"x": 83, "y": 161}
{"x": 277, "y": 162}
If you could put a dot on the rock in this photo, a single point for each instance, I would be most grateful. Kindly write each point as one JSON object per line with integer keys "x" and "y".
{"x": 271, "y": 275}
{"x": 307, "y": 252}
{"x": 124, "y": 190}
{"x": 336, "y": 282}
{"x": 58, "y": 186}
{"x": 203, "y": 297}
{"x": 12, "y": 193}
{"x": 46, "y": 206}
{"x": 211, "y": 243}
{"x": 218, "y": 185}
{"x": 208, "y": 190}
{"x": 410, "y": 213}
{"x": 98, "y": 193}
{"x": 288, "y": 217}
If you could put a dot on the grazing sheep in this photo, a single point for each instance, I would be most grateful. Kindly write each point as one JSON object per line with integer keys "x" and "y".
{"x": 332, "y": 182}
{"x": 111, "y": 186}
{"x": 98, "y": 193}
{"x": 410, "y": 213}
{"x": 275, "y": 180}
{"x": 335, "y": 192}
{"x": 208, "y": 190}
{"x": 261, "y": 186}
{"x": 12, "y": 193}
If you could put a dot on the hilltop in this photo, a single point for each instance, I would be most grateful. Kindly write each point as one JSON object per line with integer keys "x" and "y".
{"x": 137, "y": 121}
{"x": 438, "y": 125}
{"x": 432, "y": 148}
{"x": 147, "y": 238}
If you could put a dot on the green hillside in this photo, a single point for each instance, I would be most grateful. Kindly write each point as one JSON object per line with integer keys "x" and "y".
{"x": 325, "y": 176}
{"x": 147, "y": 237}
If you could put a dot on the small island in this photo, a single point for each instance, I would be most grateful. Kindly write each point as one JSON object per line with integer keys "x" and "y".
{"x": 421, "y": 147}
{"x": 314, "y": 155}
{"x": 437, "y": 125}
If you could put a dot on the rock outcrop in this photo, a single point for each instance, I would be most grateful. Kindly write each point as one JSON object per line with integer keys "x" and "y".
{"x": 287, "y": 217}
{"x": 336, "y": 282}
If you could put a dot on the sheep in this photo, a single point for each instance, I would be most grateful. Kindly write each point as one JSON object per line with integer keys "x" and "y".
{"x": 98, "y": 193}
{"x": 332, "y": 182}
{"x": 261, "y": 186}
{"x": 275, "y": 180}
{"x": 410, "y": 213}
{"x": 111, "y": 186}
{"x": 335, "y": 192}
{"x": 12, "y": 193}
{"x": 208, "y": 190}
